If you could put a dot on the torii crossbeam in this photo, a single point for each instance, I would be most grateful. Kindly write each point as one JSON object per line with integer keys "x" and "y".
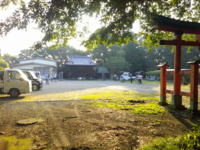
{"x": 178, "y": 28}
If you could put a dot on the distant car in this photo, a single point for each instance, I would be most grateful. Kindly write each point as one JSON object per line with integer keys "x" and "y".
{"x": 133, "y": 77}
{"x": 36, "y": 82}
{"x": 81, "y": 78}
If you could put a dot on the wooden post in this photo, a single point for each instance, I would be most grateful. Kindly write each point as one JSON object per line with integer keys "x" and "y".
{"x": 163, "y": 79}
{"x": 176, "y": 97}
{"x": 194, "y": 85}
{"x": 177, "y": 65}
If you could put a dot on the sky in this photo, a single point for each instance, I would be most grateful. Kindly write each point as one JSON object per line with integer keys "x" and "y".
{"x": 17, "y": 40}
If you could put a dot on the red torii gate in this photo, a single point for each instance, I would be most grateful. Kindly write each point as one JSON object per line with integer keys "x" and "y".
{"x": 178, "y": 28}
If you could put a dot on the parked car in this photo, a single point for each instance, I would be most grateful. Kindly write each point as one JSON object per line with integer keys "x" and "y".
{"x": 126, "y": 76}
{"x": 14, "y": 82}
{"x": 36, "y": 82}
{"x": 81, "y": 78}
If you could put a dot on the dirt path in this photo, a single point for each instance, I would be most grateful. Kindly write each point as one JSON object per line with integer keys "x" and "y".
{"x": 59, "y": 137}
{"x": 71, "y": 124}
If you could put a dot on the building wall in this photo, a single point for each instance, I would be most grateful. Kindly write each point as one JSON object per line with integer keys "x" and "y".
{"x": 43, "y": 70}
{"x": 27, "y": 67}
{"x": 81, "y": 71}
{"x": 40, "y": 61}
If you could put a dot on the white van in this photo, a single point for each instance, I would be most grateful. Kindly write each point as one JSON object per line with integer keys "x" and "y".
{"x": 126, "y": 76}
{"x": 14, "y": 82}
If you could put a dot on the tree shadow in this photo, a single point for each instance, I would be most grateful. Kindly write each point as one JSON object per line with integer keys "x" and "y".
{"x": 185, "y": 117}
{"x": 8, "y": 99}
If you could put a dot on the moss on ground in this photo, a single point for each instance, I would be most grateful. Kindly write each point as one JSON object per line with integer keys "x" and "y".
{"x": 125, "y": 100}
{"x": 14, "y": 143}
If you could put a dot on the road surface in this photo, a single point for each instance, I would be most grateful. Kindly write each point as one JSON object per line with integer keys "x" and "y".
{"x": 67, "y": 89}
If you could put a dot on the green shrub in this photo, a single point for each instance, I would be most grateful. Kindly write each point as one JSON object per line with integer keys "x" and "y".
{"x": 1, "y": 68}
{"x": 186, "y": 142}
{"x": 3, "y": 63}
{"x": 153, "y": 73}
{"x": 170, "y": 76}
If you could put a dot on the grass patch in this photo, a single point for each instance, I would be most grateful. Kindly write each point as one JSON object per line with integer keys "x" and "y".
{"x": 124, "y": 100}
{"x": 93, "y": 96}
{"x": 183, "y": 87}
{"x": 150, "y": 108}
{"x": 119, "y": 95}
{"x": 143, "y": 82}
{"x": 15, "y": 143}
{"x": 184, "y": 142}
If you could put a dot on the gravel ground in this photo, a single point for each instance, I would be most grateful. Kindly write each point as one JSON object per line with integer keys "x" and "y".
{"x": 61, "y": 90}
{"x": 68, "y": 123}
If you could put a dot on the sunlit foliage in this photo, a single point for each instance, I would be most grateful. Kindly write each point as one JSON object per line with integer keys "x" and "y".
{"x": 57, "y": 19}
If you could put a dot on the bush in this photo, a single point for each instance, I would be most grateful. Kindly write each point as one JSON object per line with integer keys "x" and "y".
{"x": 1, "y": 68}
{"x": 153, "y": 73}
{"x": 186, "y": 142}
{"x": 3, "y": 63}
{"x": 169, "y": 76}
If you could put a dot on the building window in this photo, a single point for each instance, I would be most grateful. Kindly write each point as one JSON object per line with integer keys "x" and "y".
{"x": 42, "y": 70}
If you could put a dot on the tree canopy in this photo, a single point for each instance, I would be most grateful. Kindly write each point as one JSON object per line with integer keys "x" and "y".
{"x": 3, "y": 64}
{"x": 131, "y": 57}
{"x": 10, "y": 59}
{"x": 57, "y": 19}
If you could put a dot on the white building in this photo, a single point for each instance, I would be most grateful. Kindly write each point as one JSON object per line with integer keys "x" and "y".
{"x": 41, "y": 65}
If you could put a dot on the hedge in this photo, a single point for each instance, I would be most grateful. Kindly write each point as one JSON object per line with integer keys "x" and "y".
{"x": 1, "y": 68}
{"x": 170, "y": 77}
{"x": 3, "y": 63}
{"x": 153, "y": 73}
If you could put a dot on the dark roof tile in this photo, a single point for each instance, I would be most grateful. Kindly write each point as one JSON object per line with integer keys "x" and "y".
{"x": 81, "y": 60}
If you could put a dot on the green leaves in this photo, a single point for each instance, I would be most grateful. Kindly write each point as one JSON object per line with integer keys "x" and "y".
{"x": 10, "y": 59}
{"x": 3, "y": 64}
{"x": 116, "y": 64}
{"x": 57, "y": 19}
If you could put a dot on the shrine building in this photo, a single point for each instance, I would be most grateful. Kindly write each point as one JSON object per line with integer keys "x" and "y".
{"x": 81, "y": 66}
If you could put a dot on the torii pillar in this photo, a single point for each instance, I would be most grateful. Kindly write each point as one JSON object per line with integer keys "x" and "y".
{"x": 178, "y": 28}
{"x": 176, "y": 97}
{"x": 163, "y": 79}
{"x": 194, "y": 85}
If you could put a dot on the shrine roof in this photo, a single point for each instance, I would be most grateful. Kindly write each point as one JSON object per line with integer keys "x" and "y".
{"x": 193, "y": 62}
{"x": 173, "y": 25}
{"x": 81, "y": 60}
{"x": 163, "y": 64}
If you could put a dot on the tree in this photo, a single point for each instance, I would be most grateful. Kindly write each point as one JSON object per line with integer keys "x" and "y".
{"x": 101, "y": 55}
{"x": 117, "y": 64}
{"x": 117, "y": 61}
{"x": 113, "y": 58}
{"x": 3, "y": 64}
{"x": 135, "y": 56}
{"x": 25, "y": 54}
{"x": 57, "y": 19}
{"x": 10, "y": 59}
